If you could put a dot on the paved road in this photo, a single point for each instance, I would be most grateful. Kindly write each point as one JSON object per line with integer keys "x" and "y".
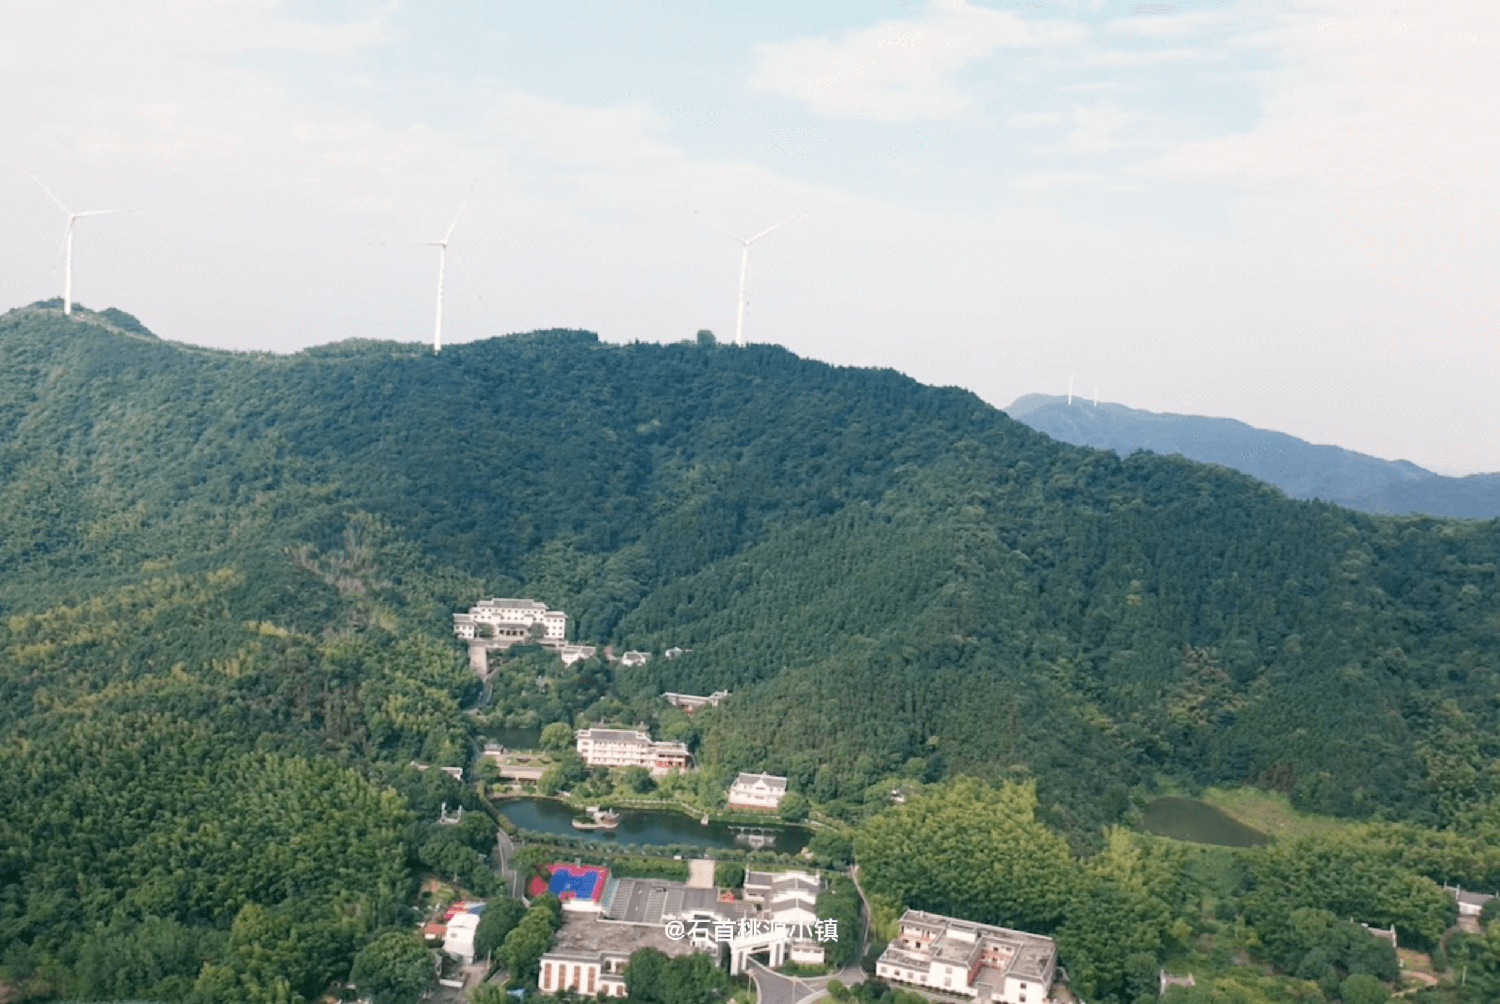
{"x": 773, "y": 988}
{"x": 504, "y": 848}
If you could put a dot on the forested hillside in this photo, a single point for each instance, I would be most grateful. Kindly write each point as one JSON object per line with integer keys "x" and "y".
{"x": 253, "y": 559}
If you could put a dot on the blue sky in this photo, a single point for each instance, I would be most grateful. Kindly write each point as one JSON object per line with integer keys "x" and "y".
{"x": 1279, "y": 212}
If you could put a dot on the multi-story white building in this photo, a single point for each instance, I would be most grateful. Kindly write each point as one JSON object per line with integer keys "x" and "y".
{"x": 757, "y": 791}
{"x": 988, "y": 963}
{"x": 509, "y": 621}
{"x": 583, "y": 972}
{"x": 628, "y": 748}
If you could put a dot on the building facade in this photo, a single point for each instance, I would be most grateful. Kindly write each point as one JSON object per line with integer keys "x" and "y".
{"x": 757, "y": 791}
{"x": 692, "y": 702}
{"x": 509, "y": 621}
{"x": 629, "y": 748}
{"x": 981, "y": 961}
{"x": 585, "y": 973}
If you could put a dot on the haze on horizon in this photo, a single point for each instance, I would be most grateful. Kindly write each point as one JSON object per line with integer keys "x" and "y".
{"x": 1283, "y": 213}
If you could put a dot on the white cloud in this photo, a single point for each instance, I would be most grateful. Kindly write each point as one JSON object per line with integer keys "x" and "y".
{"x": 1376, "y": 144}
{"x": 1075, "y": 179}
{"x": 897, "y": 71}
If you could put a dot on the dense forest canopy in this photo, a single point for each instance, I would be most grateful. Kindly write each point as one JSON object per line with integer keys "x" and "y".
{"x": 256, "y": 557}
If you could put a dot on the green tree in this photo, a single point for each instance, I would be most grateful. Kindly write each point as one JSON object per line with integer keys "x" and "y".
{"x": 393, "y": 969}
{"x": 557, "y": 737}
{"x": 530, "y": 938}
{"x": 793, "y": 807}
{"x": 832, "y": 845}
{"x": 1108, "y": 925}
{"x": 729, "y": 875}
{"x": 1490, "y": 911}
{"x": 500, "y": 917}
{"x": 969, "y": 850}
{"x": 638, "y": 779}
{"x": 553, "y": 780}
{"x": 1362, "y": 988}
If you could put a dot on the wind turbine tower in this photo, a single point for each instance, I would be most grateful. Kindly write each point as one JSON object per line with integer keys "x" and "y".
{"x": 68, "y": 241}
{"x": 739, "y": 323}
{"x": 442, "y": 246}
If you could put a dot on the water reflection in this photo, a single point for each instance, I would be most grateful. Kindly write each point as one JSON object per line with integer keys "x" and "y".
{"x": 653, "y": 827}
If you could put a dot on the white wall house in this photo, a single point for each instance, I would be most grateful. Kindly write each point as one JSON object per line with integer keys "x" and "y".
{"x": 988, "y": 963}
{"x": 458, "y": 938}
{"x": 583, "y": 972}
{"x": 1470, "y": 904}
{"x": 757, "y": 791}
{"x": 573, "y": 653}
{"x": 511, "y": 620}
{"x": 628, "y": 748}
{"x": 790, "y": 899}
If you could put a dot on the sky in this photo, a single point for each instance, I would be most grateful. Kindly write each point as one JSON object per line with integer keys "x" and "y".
{"x": 1284, "y": 213}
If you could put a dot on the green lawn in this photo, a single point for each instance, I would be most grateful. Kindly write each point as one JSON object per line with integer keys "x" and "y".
{"x": 1270, "y": 812}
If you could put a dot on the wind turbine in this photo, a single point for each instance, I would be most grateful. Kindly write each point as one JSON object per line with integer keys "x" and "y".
{"x": 442, "y": 246}
{"x": 68, "y": 241}
{"x": 739, "y": 323}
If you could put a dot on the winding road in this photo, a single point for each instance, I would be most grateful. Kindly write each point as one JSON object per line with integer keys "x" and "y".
{"x": 773, "y": 988}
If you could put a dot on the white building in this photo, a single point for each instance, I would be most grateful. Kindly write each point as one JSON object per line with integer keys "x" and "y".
{"x": 692, "y": 702}
{"x": 757, "y": 791}
{"x": 458, "y": 938}
{"x": 573, "y": 653}
{"x": 961, "y": 957}
{"x": 634, "y": 658}
{"x": 585, "y": 973}
{"x": 790, "y": 900}
{"x": 629, "y": 748}
{"x": 1470, "y": 904}
{"x": 509, "y": 621}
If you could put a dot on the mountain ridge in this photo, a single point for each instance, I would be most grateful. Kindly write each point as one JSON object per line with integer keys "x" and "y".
{"x": 1303, "y": 470}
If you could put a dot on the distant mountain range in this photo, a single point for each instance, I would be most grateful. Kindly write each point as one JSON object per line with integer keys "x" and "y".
{"x": 1299, "y": 468}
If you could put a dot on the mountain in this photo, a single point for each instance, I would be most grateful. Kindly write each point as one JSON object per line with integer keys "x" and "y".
{"x": 227, "y": 580}
{"x": 1299, "y": 468}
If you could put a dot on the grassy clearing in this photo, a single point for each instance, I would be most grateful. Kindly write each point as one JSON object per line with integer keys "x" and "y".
{"x": 1270, "y": 812}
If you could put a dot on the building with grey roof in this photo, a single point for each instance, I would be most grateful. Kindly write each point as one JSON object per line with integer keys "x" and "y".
{"x": 756, "y": 791}
{"x": 503, "y": 622}
{"x": 591, "y": 950}
{"x": 1470, "y": 903}
{"x": 961, "y": 957}
{"x": 602, "y": 747}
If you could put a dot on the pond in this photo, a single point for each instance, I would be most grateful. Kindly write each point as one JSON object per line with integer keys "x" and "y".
{"x": 653, "y": 827}
{"x": 512, "y": 739}
{"x": 1190, "y": 819}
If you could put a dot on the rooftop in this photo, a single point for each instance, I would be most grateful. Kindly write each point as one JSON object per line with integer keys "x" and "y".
{"x": 654, "y": 901}
{"x": 587, "y": 934}
{"x": 748, "y": 780}
{"x": 1027, "y": 956}
{"x": 599, "y": 735}
{"x": 512, "y": 604}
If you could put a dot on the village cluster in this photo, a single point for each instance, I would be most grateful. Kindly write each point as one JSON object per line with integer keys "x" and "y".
{"x": 607, "y": 917}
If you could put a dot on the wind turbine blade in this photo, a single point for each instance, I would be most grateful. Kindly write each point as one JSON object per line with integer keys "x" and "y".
{"x": 776, "y": 227}
{"x": 51, "y": 196}
{"x": 101, "y": 212}
{"x": 460, "y": 212}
